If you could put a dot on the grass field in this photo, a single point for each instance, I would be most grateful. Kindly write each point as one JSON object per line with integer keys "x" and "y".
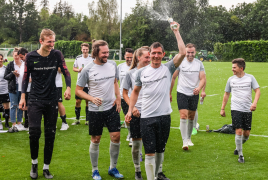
{"x": 210, "y": 158}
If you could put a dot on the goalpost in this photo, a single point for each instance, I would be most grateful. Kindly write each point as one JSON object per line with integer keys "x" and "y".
{"x": 6, "y": 52}
{"x": 114, "y": 54}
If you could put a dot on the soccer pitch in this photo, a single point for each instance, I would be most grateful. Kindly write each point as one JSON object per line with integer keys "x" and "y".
{"x": 211, "y": 157}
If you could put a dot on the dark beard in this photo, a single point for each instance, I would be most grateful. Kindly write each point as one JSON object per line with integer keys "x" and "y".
{"x": 102, "y": 61}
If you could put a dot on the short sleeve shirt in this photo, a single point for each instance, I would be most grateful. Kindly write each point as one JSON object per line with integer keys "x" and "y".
{"x": 3, "y": 82}
{"x": 58, "y": 80}
{"x": 155, "y": 83}
{"x": 81, "y": 62}
{"x": 122, "y": 70}
{"x": 129, "y": 83}
{"x": 189, "y": 76}
{"x": 100, "y": 80}
{"x": 241, "y": 89}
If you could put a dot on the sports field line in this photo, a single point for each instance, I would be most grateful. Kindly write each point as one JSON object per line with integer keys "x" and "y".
{"x": 250, "y": 134}
{"x": 213, "y": 95}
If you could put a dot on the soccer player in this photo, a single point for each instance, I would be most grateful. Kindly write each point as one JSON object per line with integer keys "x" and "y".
{"x": 4, "y": 96}
{"x": 64, "y": 125}
{"x": 241, "y": 85}
{"x": 101, "y": 76}
{"x": 191, "y": 80}
{"x": 22, "y": 54}
{"x": 43, "y": 66}
{"x": 154, "y": 80}
{"x": 122, "y": 69}
{"x": 141, "y": 59}
{"x": 80, "y": 62}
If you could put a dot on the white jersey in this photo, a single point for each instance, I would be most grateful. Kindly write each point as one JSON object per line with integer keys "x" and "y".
{"x": 128, "y": 84}
{"x": 241, "y": 89}
{"x": 100, "y": 80}
{"x": 122, "y": 70}
{"x": 19, "y": 68}
{"x": 81, "y": 62}
{"x": 155, "y": 83}
{"x": 3, "y": 82}
{"x": 58, "y": 80}
{"x": 189, "y": 76}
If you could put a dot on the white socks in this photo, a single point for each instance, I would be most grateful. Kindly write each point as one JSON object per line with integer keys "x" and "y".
{"x": 159, "y": 158}
{"x": 195, "y": 118}
{"x": 34, "y": 161}
{"x": 150, "y": 167}
{"x": 94, "y": 155}
{"x": 114, "y": 153}
{"x": 244, "y": 139}
{"x": 46, "y": 166}
{"x": 136, "y": 154}
{"x": 183, "y": 128}
{"x": 238, "y": 142}
{"x": 190, "y": 128}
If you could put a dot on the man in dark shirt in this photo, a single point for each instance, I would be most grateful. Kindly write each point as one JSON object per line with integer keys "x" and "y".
{"x": 43, "y": 66}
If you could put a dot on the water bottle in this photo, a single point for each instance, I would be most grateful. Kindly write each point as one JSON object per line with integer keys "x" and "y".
{"x": 173, "y": 26}
{"x": 101, "y": 106}
{"x": 201, "y": 100}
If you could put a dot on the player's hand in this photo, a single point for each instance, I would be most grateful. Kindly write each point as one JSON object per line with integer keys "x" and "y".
{"x": 67, "y": 94}
{"x": 16, "y": 73}
{"x": 30, "y": 80}
{"x": 117, "y": 102}
{"x": 128, "y": 117}
{"x": 136, "y": 112}
{"x": 170, "y": 97}
{"x": 223, "y": 113}
{"x": 97, "y": 101}
{"x": 253, "y": 107}
{"x": 178, "y": 26}
{"x": 22, "y": 104}
{"x": 59, "y": 70}
{"x": 196, "y": 91}
{"x": 203, "y": 95}
{"x": 80, "y": 69}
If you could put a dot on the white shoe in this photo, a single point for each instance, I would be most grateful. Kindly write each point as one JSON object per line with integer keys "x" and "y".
{"x": 1, "y": 125}
{"x": 197, "y": 126}
{"x": 185, "y": 146}
{"x": 64, "y": 127}
{"x": 20, "y": 127}
{"x": 190, "y": 142}
{"x": 130, "y": 142}
{"x": 76, "y": 122}
{"x": 128, "y": 137}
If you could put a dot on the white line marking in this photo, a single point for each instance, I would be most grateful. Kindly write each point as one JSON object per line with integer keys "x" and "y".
{"x": 213, "y": 95}
{"x": 264, "y": 87}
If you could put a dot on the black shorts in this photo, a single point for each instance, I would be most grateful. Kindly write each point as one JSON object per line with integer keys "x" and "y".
{"x": 135, "y": 127}
{"x": 85, "y": 90}
{"x": 97, "y": 119}
{"x": 241, "y": 120}
{"x": 59, "y": 91}
{"x": 50, "y": 111}
{"x": 155, "y": 133}
{"x": 187, "y": 102}
{"x": 4, "y": 98}
{"x": 124, "y": 106}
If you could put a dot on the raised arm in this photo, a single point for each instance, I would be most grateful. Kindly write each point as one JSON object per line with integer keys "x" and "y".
{"x": 182, "y": 50}
{"x": 174, "y": 76}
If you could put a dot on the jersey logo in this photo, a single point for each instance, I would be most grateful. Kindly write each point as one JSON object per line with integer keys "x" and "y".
{"x": 36, "y": 62}
{"x": 60, "y": 99}
{"x": 96, "y": 74}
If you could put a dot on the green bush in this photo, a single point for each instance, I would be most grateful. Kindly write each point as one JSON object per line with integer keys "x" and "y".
{"x": 70, "y": 49}
{"x": 252, "y": 51}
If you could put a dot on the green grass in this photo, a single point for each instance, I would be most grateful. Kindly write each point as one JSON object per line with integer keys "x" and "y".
{"x": 210, "y": 158}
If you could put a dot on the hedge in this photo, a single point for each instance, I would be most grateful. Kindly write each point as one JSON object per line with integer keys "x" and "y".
{"x": 256, "y": 51}
{"x": 70, "y": 49}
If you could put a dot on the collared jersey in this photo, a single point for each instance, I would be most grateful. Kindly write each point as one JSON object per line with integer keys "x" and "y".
{"x": 241, "y": 89}
{"x": 81, "y": 62}
{"x": 155, "y": 83}
{"x": 189, "y": 76}
{"x": 3, "y": 82}
{"x": 100, "y": 80}
{"x": 122, "y": 70}
{"x": 129, "y": 83}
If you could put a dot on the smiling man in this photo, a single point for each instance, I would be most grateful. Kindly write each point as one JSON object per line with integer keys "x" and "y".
{"x": 241, "y": 85}
{"x": 101, "y": 76}
{"x": 155, "y": 80}
{"x": 43, "y": 66}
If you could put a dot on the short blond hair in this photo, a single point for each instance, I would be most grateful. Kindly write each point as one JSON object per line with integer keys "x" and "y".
{"x": 46, "y": 32}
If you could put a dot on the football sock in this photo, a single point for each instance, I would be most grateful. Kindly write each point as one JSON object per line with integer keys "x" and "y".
{"x": 195, "y": 119}
{"x": 77, "y": 112}
{"x": 244, "y": 139}
{"x": 136, "y": 154}
{"x": 34, "y": 161}
{"x": 86, "y": 110}
{"x": 114, "y": 153}
{"x": 160, "y": 167}
{"x": 128, "y": 128}
{"x": 158, "y": 161}
{"x": 46, "y": 166}
{"x": 238, "y": 142}
{"x": 94, "y": 155}
{"x": 183, "y": 128}
{"x": 150, "y": 167}
{"x": 63, "y": 118}
{"x": 190, "y": 128}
